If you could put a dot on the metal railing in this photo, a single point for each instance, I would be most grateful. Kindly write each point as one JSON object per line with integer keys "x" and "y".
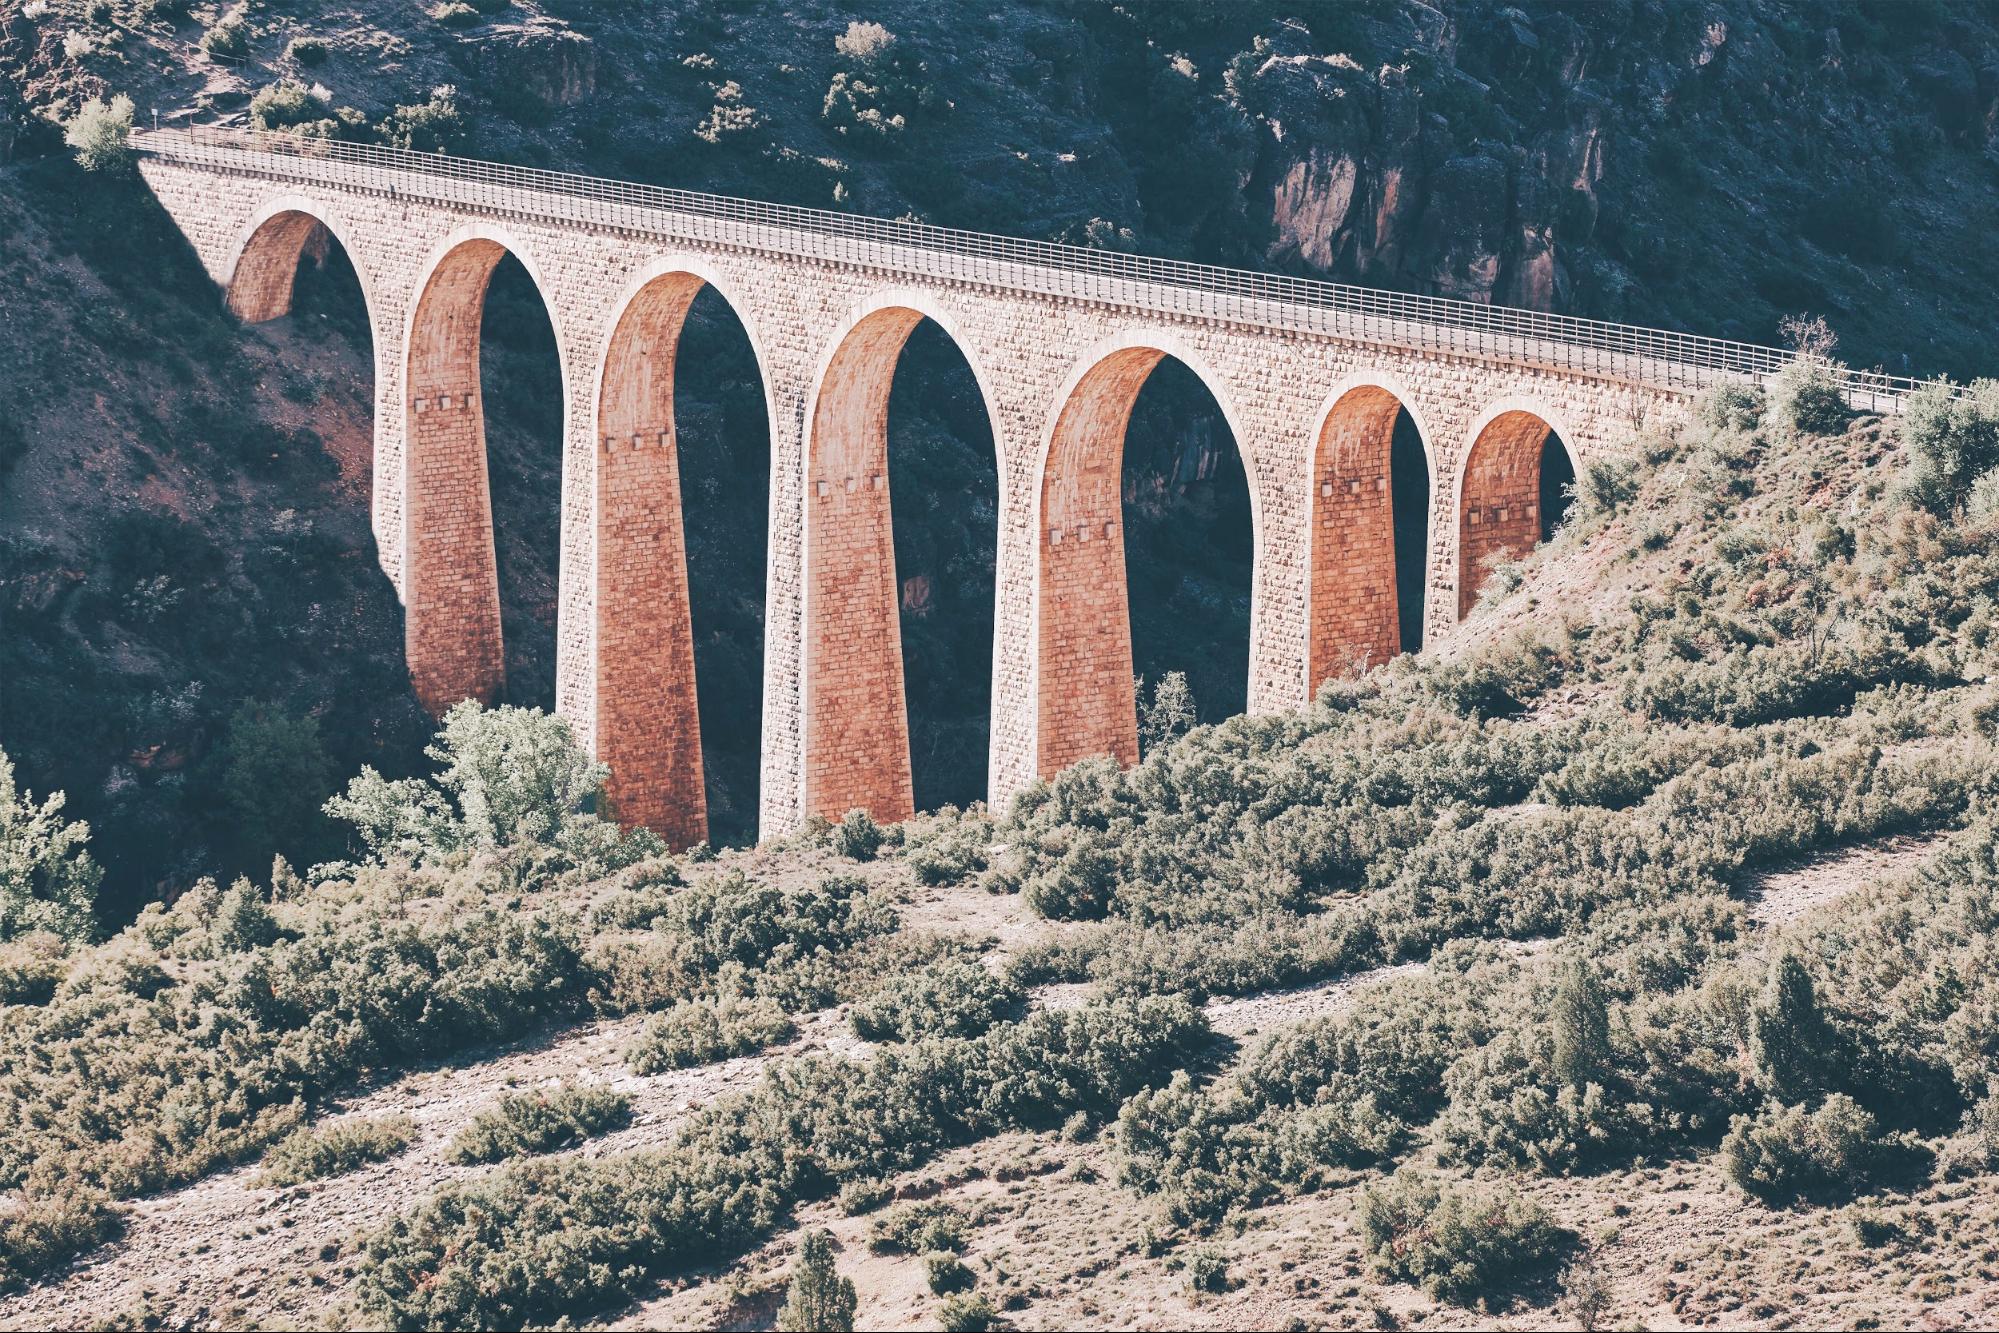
{"x": 1654, "y": 357}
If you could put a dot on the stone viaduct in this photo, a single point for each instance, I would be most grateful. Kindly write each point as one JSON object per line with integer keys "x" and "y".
{"x": 1310, "y": 376}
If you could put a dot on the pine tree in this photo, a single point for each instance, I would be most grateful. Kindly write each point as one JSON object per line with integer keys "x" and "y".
{"x": 1581, "y": 1020}
{"x": 1170, "y": 713}
{"x": 819, "y": 1298}
{"x": 1791, "y": 1044}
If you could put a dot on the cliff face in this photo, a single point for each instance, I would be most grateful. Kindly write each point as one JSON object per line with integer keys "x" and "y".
{"x": 1709, "y": 166}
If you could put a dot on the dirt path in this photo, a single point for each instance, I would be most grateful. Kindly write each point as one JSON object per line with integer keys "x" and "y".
{"x": 1779, "y": 898}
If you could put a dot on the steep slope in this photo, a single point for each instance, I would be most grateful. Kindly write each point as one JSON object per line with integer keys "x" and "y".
{"x": 1633, "y": 958}
{"x": 1710, "y": 167}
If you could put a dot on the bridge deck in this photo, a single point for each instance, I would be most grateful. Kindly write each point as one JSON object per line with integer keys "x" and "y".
{"x": 1652, "y": 357}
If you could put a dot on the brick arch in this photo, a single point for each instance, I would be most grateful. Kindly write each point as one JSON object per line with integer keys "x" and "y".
{"x": 1354, "y": 609}
{"x": 647, "y": 720}
{"x": 1085, "y": 704}
{"x": 264, "y": 261}
{"x": 451, "y": 590}
{"x": 1497, "y": 497}
{"x": 856, "y": 716}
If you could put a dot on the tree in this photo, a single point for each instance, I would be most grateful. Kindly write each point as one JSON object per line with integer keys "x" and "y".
{"x": 819, "y": 1298}
{"x": 47, "y": 879}
{"x": 1791, "y": 1044}
{"x": 1168, "y": 715}
{"x": 101, "y": 134}
{"x": 1581, "y": 1020}
{"x": 275, "y": 775}
{"x": 509, "y": 779}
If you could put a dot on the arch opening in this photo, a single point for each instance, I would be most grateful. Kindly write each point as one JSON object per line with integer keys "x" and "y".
{"x": 1515, "y": 493}
{"x": 1370, "y": 490}
{"x": 898, "y": 614}
{"x": 682, "y": 505}
{"x": 1146, "y": 555}
{"x": 483, "y": 522}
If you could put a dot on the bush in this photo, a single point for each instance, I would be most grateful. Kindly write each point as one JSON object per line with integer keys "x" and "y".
{"x": 818, "y": 1297}
{"x": 857, "y": 837}
{"x": 1785, "y": 1151}
{"x": 1732, "y": 405}
{"x": 1603, "y": 488}
{"x": 101, "y": 133}
{"x": 229, "y": 37}
{"x": 1208, "y": 1271}
{"x": 31, "y": 965}
{"x": 538, "y": 1241}
{"x": 48, "y": 883}
{"x": 1806, "y": 395}
{"x": 434, "y": 126}
{"x": 335, "y": 1149}
{"x": 947, "y": 848}
{"x": 701, "y": 1031}
{"x": 525, "y": 1123}
{"x": 946, "y": 1273}
{"x": 308, "y": 51}
{"x": 38, "y": 1235}
{"x": 858, "y": 1197}
{"x": 288, "y": 104}
{"x": 1792, "y": 1047}
{"x": 513, "y": 784}
{"x": 947, "y": 999}
{"x": 276, "y": 777}
{"x": 918, "y": 1228}
{"x": 1953, "y": 441}
{"x": 1457, "y": 1242}
{"x": 967, "y": 1314}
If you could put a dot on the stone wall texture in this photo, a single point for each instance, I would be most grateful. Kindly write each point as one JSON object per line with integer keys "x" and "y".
{"x": 1311, "y": 413}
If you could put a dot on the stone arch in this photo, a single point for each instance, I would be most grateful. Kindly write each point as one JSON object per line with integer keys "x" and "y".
{"x": 647, "y": 719}
{"x": 451, "y": 592}
{"x": 1353, "y": 598}
{"x": 1498, "y": 493}
{"x": 1084, "y": 699}
{"x": 855, "y": 718}
{"x": 265, "y": 259}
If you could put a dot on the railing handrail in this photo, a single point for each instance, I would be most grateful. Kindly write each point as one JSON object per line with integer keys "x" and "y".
{"x": 1654, "y": 356}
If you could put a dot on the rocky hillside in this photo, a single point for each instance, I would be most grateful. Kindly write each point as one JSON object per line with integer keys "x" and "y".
{"x": 1627, "y": 962}
{"x": 182, "y": 526}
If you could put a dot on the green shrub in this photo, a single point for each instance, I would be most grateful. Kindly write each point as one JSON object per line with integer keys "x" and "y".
{"x": 288, "y": 104}
{"x": 540, "y": 1240}
{"x": 947, "y": 848}
{"x": 40, "y": 1234}
{"x": 437, "y": 125}
{"x": 702, "y": 1031}
{"x": 967, "y": 1314}
{"x": 1458, "y": 1242}
{"x": 333, "y": 1150}
{"x": 31, "y": 965}
{"x": 817, "y": 1297}
{"x": 858, "y": 1197}
{"x": 1580, "y": 1019}
{"x": 513, "y": 785}
{"x": 1208, "y": 1271}
{"x": 1793, "y": 1049}
{"x": 946, "y": 1272}
{"x": 1952, "y": 441}
{"x": 228, "y": 38}
{"x": 1807, "y": 396}
{"x": 1786, "y": 1151}
{"x": 1731, "y": 405}
{"x": 524, "y": 1123}
{"x": 948, "y": 999}
{"x": 857, "y": 837}
{"x": 276, "y": 776}
{"x": 918, "y": 1228}
{"x": 48, "y": 883}
{"x": 1603, "y": 488}
{"x": 307, "y": 50}
{"x": 100, "y": 132}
